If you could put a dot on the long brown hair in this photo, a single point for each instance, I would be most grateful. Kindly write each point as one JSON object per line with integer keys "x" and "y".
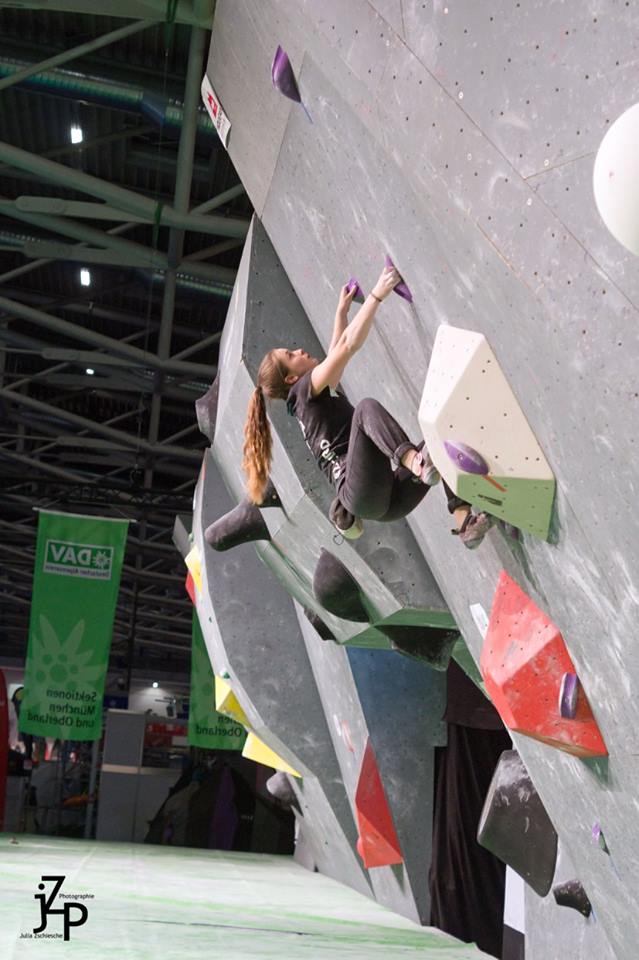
{"x": 258, "y": 442}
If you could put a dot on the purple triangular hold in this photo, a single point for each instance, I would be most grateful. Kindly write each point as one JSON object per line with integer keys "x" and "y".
{"x": 359, "y": 293}
{"x": 465, "y": 457}
{"x": 283, "y": 76}
{"x": 401, "y": 289}
{"x": 598, "y": 837}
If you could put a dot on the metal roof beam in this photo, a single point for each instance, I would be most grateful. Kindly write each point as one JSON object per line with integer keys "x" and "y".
{"x": 77, "y": 208}
{"x": 101, "y": 429}
{"x": 88, "y": 308}
{"x": 74, "y": 52}
{"x": 40, "y": 465}
{"x": 137, "y": 253}
{"x": 67, "y": 149}
{"x": 220, "y": 199}
{"x": 194, "y": 12}
{"x": 183, "y": 179}
{"x": 118, "y": 383}
{"x": 35, "y": 249}
{"x": 156, "y": 617}
{"x": 120, "y": 197}
{"x": 109, "y": 344}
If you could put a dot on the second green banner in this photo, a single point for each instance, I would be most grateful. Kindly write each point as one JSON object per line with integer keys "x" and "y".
{"x": 207, "y": 727}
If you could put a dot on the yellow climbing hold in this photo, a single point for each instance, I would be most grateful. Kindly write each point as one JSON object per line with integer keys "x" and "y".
{"x": 194, "y": 566}
{"x": 255, "y": 750}
{"x": 227, "y": 703}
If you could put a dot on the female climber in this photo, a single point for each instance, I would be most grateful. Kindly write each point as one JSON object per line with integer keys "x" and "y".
{"x": 377, "y": 472}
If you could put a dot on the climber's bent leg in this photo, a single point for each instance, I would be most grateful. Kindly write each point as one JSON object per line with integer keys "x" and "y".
{"x": 376, "y": 444}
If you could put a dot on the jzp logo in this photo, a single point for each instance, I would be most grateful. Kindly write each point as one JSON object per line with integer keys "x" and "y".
{"x": 46, "y": 909}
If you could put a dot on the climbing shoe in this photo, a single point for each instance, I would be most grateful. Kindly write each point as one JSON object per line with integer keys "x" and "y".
{"x": 474, "y": 529}
{"x": 509, "y": 530}
{"x": 350, "y": 526}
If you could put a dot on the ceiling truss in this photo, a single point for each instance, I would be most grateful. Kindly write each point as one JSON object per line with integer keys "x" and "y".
{"x": 121, "y": 440}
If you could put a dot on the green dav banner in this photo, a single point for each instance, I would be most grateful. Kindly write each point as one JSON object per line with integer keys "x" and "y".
{"x": 75, "y": 587}
{"x": 207, "y": 727}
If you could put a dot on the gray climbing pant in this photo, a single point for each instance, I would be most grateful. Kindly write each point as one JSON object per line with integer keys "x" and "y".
{"x": 374, "y": 485}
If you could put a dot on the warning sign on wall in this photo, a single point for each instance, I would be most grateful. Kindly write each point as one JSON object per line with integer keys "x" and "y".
{"x": 214, "y": 108}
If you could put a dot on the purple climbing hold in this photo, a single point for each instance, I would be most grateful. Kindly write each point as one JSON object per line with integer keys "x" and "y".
{"x": 568, "y": 695}
{"x": 359, "y": 293}
{"x": 465, "y": 457}
{"x": 283, "y": 76}
{"x": 598, "y": 837}
{"x": 401, "y": 289}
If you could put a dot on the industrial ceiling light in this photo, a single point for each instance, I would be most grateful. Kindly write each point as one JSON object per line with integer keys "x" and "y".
{"x": 90, "y": 371}
{"x": 76, "y": 134}
{"x": 85, "y": 278}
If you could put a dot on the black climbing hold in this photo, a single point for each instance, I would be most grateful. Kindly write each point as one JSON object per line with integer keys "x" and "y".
{"x": 206, "y": 409}
{"x": 336, "y": 590}
{"x": 515, "y": 827}
{"x": 572, "y": 894}
{"x": 428, "y": 644}
{"x": 242, "y": 524}
{"x": 271, "y": 497}
{"x": 318, "y": 623}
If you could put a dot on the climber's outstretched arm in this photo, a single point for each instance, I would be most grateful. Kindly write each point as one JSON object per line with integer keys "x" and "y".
{"x": 341, "y": 315}
{"x": 328, "y": 373}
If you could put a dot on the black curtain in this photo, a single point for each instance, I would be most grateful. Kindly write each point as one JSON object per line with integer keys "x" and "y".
{"x": 466, "y": 882}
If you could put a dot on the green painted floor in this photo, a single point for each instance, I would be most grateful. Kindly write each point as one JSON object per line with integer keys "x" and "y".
{"x": 158, "y": 902}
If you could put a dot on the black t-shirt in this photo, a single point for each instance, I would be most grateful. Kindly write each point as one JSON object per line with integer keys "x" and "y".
{"x": 326, "y": 424}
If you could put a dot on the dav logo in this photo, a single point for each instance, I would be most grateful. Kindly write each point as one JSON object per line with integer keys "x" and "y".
{"x": 78, "y": 560}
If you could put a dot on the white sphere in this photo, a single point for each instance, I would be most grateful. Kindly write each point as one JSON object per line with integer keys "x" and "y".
{"x": 616, "y": 179}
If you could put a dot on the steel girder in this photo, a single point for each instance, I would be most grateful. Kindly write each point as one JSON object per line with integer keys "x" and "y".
{"x": 120, "y": 197}
{"x": 74, "y": 52}
{"x": 193, "y": 12}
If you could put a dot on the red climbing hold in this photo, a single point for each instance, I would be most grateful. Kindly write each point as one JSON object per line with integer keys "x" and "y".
{"x": 190, "y": 588}
{"x": 523, "y": 662}
{"x": 378, "y": 843}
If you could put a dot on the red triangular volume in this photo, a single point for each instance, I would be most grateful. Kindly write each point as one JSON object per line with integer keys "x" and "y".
{"x": 378, "y": 843}
{"x": 523, "y": 662}
{"x": 190, "y": 587}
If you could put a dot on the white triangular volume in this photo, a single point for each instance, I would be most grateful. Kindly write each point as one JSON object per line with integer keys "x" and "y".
{"x": 468, "y": 400}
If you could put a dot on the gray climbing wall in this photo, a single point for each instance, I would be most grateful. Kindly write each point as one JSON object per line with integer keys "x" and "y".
{"x": 399, "y": 587}
{"x": 379, "y": 695}
{"x": 302, "y": 696}
{"x": 461, "y": 140}
{"x": 561, "y": 931}
{"x": 251, "y": 633}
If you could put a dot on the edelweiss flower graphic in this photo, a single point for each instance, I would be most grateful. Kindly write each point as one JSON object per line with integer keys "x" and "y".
{"x": 101, "y": 560}
{"x": 59, "y": 662}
